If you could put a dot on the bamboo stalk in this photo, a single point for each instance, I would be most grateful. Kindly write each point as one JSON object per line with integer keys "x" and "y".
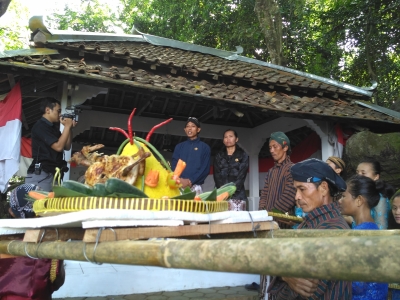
{"x": 341, "y": 258}
{"x": 309, "y": 233}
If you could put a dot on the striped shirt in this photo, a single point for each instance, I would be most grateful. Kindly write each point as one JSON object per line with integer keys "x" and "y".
{"x": 324, "y": 217}
{"x": 279, "y": 191}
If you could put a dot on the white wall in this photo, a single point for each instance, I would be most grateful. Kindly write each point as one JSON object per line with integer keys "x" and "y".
{"x": 250, "y": 139}
{"x": 84, "y": 279}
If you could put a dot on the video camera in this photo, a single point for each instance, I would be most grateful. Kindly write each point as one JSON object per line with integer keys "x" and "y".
{"x": 72, "y": 112}
{"x": 72, "y": 116}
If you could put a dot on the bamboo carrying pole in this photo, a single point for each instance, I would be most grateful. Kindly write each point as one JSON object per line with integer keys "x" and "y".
{"x": 308, "y": 233}
{"x": 343, "y": 258}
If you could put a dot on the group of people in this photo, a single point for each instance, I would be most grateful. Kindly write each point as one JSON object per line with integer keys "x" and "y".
{"x": 316, "y": 187}
{"x": 313, "y": 186}
{"x": 326, "y": 202}
{"x": 48, "y": 145}
{"x": 230, "y": 164}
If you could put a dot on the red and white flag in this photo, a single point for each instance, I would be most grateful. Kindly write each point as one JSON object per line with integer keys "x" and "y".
{"x": 10, "y": 135}
{"x": 25, "y": 159}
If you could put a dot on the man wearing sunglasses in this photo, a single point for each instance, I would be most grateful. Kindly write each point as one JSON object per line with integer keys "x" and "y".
{"x": 196, "y": 154}
{"x": 48, "y": 144}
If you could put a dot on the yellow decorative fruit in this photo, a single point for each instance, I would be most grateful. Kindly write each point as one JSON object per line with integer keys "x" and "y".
{"x": 162, "y": 189}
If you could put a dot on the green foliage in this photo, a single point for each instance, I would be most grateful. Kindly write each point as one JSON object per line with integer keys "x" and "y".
{"x": 14, "y": 27}
{"x": 355, "y": 41}
{"x": 90, "y": 16}
{"x": 368, "y": 34}
{"x": 226, "y": 23}
{"x": 221, "y": 24}
{"x": 306, "y": 48}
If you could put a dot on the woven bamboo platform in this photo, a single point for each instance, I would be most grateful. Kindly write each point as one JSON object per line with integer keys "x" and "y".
{"x": 53, "y": 206}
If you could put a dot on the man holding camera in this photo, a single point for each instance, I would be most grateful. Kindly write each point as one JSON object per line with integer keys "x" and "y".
{"x": 48, "y": 145}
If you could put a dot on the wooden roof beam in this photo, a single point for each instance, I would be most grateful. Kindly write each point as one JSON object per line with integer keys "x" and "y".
{"x": 11, "y": 80}
{"x": 135, "y": 102}
{"x": 165, "y": 105}
{"x": 37, "y": 87}
{"x": 90, "y": 133}
{"x": 192, "y": 109}
{"x": 229, "y": 115}
{"x": 121, "y": 101}
{"x": 179, "y": 108}
{"x": 116, "y": 133}
{"x": 208, "y": 115}
{"x": 106, "y": 98}
{"x": 249, "y": 119}
{"x": 144, "y": 107}
{"x": 103, "y": 133}
{"x": 40, "y": 95}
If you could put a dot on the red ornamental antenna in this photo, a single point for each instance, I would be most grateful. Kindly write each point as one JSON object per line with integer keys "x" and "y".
{"x": 130, "y": 131}
{"x": 130, "y": 126}
{"x": 156, "y": 127}
{"x": 120, "y": 130}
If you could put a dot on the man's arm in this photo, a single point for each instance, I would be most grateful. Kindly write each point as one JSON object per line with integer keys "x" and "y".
{"x": 288, "y": 288}
{"x": 62, "y": 141}
{"x": 61, "y": 144}
{"x": 68, "y": 144}
{"x": 314, "y": 289}
{"x": 175, "y": 157}
{"x": 304, "y": 287}
{"x": 280, "y": 290}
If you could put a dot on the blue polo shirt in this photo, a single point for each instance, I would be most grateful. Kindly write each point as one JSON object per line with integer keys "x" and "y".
{"x": 197, "y": 156}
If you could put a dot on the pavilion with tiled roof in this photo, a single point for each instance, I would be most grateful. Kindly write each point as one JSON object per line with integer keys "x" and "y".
{"x": 110, "y": 74}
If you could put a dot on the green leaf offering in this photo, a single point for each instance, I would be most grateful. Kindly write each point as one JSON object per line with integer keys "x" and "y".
{"x": 60, "y": 192}
{"x": 212, "y": 196}
{"x": 186, "y": 196}
{"x": 186, "y": 190}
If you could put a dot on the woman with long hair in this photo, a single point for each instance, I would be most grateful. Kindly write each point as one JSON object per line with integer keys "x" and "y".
{"x": 372, "y": 168}
{"x": 231, "y": 165}
{"x": 363, "y": 194}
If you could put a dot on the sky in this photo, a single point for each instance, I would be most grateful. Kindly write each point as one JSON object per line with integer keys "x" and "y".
{"x": 47, "y": 7}
{"x": 17, "y": 20}
{"x": 40, "y": 7}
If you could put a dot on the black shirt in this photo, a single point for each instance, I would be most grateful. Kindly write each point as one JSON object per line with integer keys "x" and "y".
{"x": 44, "y": 134}
{"x": 232, "y": 168}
